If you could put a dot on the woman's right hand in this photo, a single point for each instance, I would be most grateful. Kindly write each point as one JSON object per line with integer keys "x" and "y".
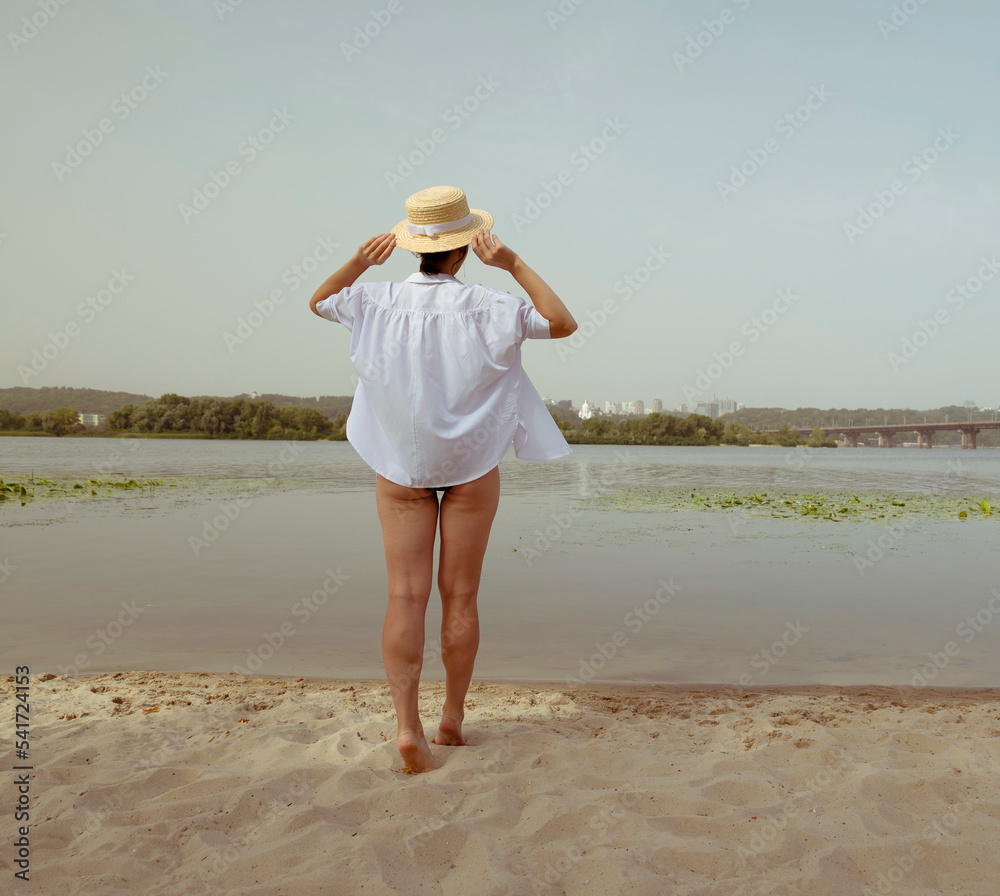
{"x": 376, "y": 250}
{"x": 492, "y": 252}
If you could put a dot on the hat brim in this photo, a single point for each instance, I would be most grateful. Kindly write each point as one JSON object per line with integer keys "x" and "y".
{"x": 443, "y": 242}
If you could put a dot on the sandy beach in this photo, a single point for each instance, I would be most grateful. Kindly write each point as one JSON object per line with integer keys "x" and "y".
{"x": 204, "y": 783}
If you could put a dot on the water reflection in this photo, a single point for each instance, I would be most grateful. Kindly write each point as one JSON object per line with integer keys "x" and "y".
{"x": 588, "y": 470}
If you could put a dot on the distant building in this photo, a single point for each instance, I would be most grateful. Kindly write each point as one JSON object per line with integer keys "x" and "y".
{"x": 92, "y": 419}
{"x": 638, "y": 408}
{"x": 657, "y": 406}
{"x": 716, "y": 407}
{"x": 565, "y": 404}
{"x": 681, "y": 408}
{"x": 586, "y": 411}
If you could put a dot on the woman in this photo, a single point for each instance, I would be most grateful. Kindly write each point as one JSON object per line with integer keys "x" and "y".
{"x": 440, "y": 397}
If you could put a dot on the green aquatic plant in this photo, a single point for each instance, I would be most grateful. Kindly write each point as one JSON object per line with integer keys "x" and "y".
{"x": 984, "y": 506}
{"x": 10, "y": 490}
{"x": 832, "y": 507}
{"x": 30, "y": 487}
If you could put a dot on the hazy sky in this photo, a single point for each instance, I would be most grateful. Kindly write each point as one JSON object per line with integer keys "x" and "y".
{"x": 207, "y": 164}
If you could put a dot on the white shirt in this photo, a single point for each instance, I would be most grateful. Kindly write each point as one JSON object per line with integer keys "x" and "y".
{"x": 441, "y": 391}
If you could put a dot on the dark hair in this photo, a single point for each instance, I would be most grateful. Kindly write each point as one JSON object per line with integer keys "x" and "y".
{"x": 432, "y": 262}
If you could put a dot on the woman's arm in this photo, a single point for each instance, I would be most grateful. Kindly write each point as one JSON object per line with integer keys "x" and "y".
{"x": 371, "y": 252}
{"x": 494, "y": 253}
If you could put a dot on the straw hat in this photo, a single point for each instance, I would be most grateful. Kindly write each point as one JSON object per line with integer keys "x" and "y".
{"x": 439, "y": 219}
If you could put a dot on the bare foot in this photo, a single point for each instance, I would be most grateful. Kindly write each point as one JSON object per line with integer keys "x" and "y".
{"x": 450, "y": 732}
{"x": 415, "y": 752}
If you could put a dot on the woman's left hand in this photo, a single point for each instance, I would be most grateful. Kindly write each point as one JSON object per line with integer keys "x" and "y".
{"x": 376, "y": 250}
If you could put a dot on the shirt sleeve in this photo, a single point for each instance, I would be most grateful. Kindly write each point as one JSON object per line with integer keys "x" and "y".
{"x": 531, "y": 324}
{"x": 343, "y": 307}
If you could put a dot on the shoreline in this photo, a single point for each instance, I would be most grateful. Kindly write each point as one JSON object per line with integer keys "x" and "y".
{"x": 192, "y": 782}
{"x": 636, "y": 687}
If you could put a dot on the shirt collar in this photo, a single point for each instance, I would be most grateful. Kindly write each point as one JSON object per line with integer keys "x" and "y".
{"x": 420, "y": 277}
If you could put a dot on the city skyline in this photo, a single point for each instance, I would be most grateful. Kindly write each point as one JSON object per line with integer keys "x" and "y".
{"x": 620, "y": 407}
{"x": 728, "y": 405}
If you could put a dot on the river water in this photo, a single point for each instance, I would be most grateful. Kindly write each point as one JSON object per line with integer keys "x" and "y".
{"x": 267, "y": 557}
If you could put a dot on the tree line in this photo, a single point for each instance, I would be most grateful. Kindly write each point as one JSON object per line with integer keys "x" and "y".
{"x": 25, "y": 400}
{"x": 245, "y": 418}
{"x": 220, "y": 418}
{"x": 51, "y": 410}
{"x": 665, "y": 429}
{"x": 56, "y": 423}
{"x": 213, "y": 418}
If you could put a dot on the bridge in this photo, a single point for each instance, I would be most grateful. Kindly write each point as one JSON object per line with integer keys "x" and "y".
{"x": 887, "y": 432}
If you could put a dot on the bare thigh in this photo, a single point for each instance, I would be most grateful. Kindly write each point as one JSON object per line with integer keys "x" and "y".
{"x": 409, "y": 524}
{"x": 467, "y": 513}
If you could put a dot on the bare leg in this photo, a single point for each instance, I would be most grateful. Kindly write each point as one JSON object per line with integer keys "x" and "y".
{"x": 409, "y": 522}
{"x": 467, "y": 513}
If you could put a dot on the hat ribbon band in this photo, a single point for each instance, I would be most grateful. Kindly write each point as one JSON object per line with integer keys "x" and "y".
{"x": 435, "y": 229}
